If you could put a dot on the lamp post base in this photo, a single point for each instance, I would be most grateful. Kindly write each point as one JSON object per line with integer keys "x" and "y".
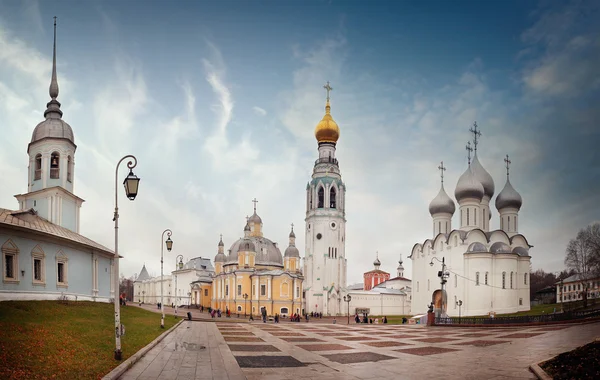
{"x": 118, "y": 355}
{"x": 162, "y": 323}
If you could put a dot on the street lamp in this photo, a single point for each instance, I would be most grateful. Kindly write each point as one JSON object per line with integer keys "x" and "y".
{"x": 442, "y": 275}
{"x": 178, "y": 266}
{"x": 131, "y": 184}
{"x": 347, "y": 299}
{"x": 169, "y": 244}
{"x": 245, "y": 297}
{"x": 143, "y": 296}
{"x": 189, "y": 299}
{"x": 459, "y": 303}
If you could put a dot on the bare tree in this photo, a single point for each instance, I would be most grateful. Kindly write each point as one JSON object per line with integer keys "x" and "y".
{"x": 583, "y": 256}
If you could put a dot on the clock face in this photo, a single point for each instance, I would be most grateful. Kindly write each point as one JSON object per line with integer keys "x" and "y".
{"x": 319, "y": 236}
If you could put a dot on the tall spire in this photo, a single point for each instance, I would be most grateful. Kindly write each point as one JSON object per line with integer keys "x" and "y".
{"x": 53, "y": 107}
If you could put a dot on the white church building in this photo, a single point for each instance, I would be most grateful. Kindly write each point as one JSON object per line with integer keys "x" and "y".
{"x": 44, "y": 256}
{"x": 485, "y": 270}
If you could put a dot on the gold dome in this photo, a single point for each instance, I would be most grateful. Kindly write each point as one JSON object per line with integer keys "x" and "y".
{"x": 327, "y": 131}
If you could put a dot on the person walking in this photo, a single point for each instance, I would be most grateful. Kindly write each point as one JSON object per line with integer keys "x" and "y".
{"x": 264, "y": 314}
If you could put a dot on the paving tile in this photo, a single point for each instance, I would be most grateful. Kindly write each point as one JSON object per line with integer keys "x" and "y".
{"x": 324, "y": 347}
{"x": 402, "y": 336}
{"x": 242, "y": 339}
{"x": 421, "y": 351}
{"x": 482, "y": 343}
{"x": 355, "y": 338}
{"x": 268, "y": 361}
{"x": 254, "y": 347}
{"x": 519, "y": 335}
{"x": 357, "y": 357}
{"x": 474, "y": 335}
{"x": 435, "y": 340}
{"x": 293, "y": 339}
{"x": 237, "y": 333}
{"x": 286, "y": 333}
{"x": 387, "y": 344}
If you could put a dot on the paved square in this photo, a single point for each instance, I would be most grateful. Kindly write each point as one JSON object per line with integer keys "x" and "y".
{"x": 482, "y": 343}
{"x": 426, "y": 350}
{"x": 302, "y": 339}
{"x": 254, "y": 347}
{"x": 357, "y": 357}
{"x": 242, "y": 339}
{"x": 519, "y": 335}
{"x": 324, "y": 347}
{"x": 435, "y": 340}
{"x": 386, "y": 344}
{"x": 268, "y": 362}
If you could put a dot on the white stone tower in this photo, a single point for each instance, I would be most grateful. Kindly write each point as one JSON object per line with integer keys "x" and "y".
{"x": 508, "y": 204}
{"x": 325, "y": 256}
{"x": 51, "y": 165}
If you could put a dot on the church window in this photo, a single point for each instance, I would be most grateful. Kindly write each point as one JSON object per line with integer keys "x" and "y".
{"x": 38, "y": 256}
{"x": 321, "y": 197}
{"x": 311, "y": 201}
{"x": 520, "y": 301}
{"x": 468, "y": 221}
{"x": 226, "y": 290}
{"x": 205, "y": 292}
{"x": 486, "y": 278}
{"x": 516, "y": 229}
{"x": 455, "y": 301}
{"x": 503, "y": 280}
{"x": 69, "y": 168}
{"x": 253, "y": 290}
{"x": 439, "y": 227}
{"x": 239, "y": 308}
{"x": 55, "y": 165}
{"x": 475, "y": 216}
{"x": 38, "y": 167}
{"x": 332, "y": 197}
{"x": 10, "y": 252}
{"x": 509, "y": 223}
{"x": 483, "y": 218}
{"x": 246, "y": 259}
{"x": 446, "y": 227}
{"x": 477, "y": 278}
{"x": 511, "y": 280}
{"x": 61, "y": 269}
{"x": 525, "y": 278}
{"x": 501, "y": 223}
{"x": 283, "y": 310}
{"x": 297, "y": 292}
{"x": 95, "y": 276}
{"x": 263, "y": 290}
{"x": 461, "y": 217}
{"x": 239, "y": 288}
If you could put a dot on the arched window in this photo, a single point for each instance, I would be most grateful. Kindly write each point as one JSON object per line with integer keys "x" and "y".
{"x": 332, "y": 197}
{"x": 283, "y": 310}
{"x": 321, "y": 197}
{"x": 509, "y": 223}
{"x": 69, "y": 168}
{"x": 477, "y": 278}
{"x": 475, "y": 216}
{"x": 525, "y": 278}
{"x": 311, "y": 199}
{"x": 55, "y": 165}
{"x": 503, "y": 280}
{"x": 511, "y": 280}
{"x": 38, "y": 167}
{"x": 467, "y": 217}
{"x": 486, "y": 278}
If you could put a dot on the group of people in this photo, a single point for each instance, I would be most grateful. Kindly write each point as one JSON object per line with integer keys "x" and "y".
{"x": 366, "y": 319}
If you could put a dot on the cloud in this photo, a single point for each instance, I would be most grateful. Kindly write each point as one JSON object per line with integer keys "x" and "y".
{"x": 259, "y": 111}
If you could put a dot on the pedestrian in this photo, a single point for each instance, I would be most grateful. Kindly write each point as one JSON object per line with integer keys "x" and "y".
{"x": 384, "y": 319}
{"x": 264, "y": 314}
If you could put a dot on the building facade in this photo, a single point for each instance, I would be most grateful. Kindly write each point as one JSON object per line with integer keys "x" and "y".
{"x": 325, "y": 233}
{"x": 254, "y": 275}
{"x": 573, "y": 288}
{"x": 376, "y": 276}
{"x": 488, "y": 270}
{"x": 44, "y": 256}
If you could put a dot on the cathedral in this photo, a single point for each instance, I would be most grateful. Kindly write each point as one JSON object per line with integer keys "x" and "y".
{"x": 472, "y": 270}
{"x": 44, "y": 256}
{"x": 325, "y": 255}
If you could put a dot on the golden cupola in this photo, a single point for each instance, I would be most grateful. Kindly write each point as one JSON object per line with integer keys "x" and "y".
{"x": 327, "y": 131}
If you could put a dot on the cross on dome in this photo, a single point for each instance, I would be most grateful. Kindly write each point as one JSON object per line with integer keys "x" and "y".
{"x": 292, "y": 226}
{"x": 508, "y": 162}
{"x": 442, "y": 170}
{"x": 328, "y": 88}
{"x": 255, "y": 202}
{"x": 476, "y": 135}
{"x": 469, "y": 150}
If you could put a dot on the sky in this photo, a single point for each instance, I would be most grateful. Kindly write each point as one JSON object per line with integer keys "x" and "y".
{"x": 219, "y": 100}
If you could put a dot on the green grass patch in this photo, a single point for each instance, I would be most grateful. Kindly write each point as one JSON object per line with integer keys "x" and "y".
{"x": 69, "y": 340}
{"x": 392, "y": 319}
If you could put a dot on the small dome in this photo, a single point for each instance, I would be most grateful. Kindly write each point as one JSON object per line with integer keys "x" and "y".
{"x": 255, "y": 218}
{"x": 442, "y": 204}
{"x": 521, "y": 251}
{"x": 246, "y": 245}
{"x": 500, "y": 247}
{"x": 508, "y": 197}
{"x": 327, "y": 131}
{"x": 377, "y": 262}
{"x": 477, "y": 247}
{"x": 483, "y": 177}
{"x": 292, "y": 234}
{"x": 53, "y": 128}
{"x": 220, "y": 258}
{"x": 247, "y": 227}
{"x": 468, "y": 187}
{"x": 292, "y": 251}
{"x": 221, "y": 243}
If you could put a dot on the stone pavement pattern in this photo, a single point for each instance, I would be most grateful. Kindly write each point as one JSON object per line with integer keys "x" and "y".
{"x": 319, "y": 351}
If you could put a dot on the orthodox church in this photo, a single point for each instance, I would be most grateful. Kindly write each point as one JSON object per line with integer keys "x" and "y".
{"x": 482, "y": 270}
{"x": 254, "y": 275}
{"x": 325, "y": 254}
{"x": 44, "y": 256}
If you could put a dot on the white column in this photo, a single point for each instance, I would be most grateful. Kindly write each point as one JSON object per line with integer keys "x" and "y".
{"x": 269, "y": 288}
{"x": 63, "y": 170}
{"x": 45, "y": 169}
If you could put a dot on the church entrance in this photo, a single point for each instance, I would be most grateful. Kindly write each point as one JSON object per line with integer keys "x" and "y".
{"x": 436, "y": 299}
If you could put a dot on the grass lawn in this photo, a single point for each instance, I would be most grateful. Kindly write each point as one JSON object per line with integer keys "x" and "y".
{"x": 392, "y": 319}
{"x": 69, "y": 340}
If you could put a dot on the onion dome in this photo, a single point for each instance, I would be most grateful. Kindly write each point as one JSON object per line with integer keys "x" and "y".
{"x": 53, "y": 126}
{"x": 327, "y": 131}
{"x": 377, "y": 263}
{"x": 291, "y": 251}
{"x": 442, "y": 203}
{"x": 221, "y": 242}
{"x": 292, "y": 234}
{"x": 255, "y": 218}
{"x": 468, "y": 186}
{"x": 483, "y": 177}
{"x": 500, "y": 247}
{"x": 508, "y": 197}
{"x": 246, "y": 227}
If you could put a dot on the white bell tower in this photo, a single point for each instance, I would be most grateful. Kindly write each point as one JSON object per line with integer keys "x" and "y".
{"x": 325, "y": 256}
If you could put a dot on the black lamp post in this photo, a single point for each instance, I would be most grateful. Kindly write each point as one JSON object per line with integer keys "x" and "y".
{"x": 169, "y": 244}
{"x": 178, "y": 266}
{"x": 347, "y": 299}
{"x": 459, "y": 303}
{"x": 245, "y": 297}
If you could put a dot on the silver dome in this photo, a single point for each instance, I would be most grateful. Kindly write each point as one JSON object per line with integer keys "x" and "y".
{"x": 500, "y": 247}
{"x": 220, "y": 258}
{"x": 483, "y": 176}
{"x": 377, "y": 262}
{"x": 442, "y": 204}
{"x": 255, "y": 218}
{"x": 266, "y": 251}
{"x": 292, "y": 251}
{"x": 468, "y": 186}
{"x": 508, "y": 197}
{"x": 477, "y": 247}
{"x": 246, "y": 245}
{"x": 53, "y": 128}
{"x": 521, "y": 251}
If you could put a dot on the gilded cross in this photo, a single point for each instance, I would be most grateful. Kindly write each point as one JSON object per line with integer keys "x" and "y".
{"x": 292, "y": 226}
{"x": 469, "y": 150}
{"x": 508, "y": 162}
{"x": 255, "y": 202}
{"x": 476, "y": 134}
{"x": 328, "y": 88}
{"x": 221, "y": 236}
{"x": 442, "y": 170}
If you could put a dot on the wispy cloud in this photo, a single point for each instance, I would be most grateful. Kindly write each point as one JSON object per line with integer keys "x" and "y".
{"x": 259, "y": 111}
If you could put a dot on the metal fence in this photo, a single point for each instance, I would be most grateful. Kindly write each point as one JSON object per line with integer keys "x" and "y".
{"x": 544, "y": 318}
